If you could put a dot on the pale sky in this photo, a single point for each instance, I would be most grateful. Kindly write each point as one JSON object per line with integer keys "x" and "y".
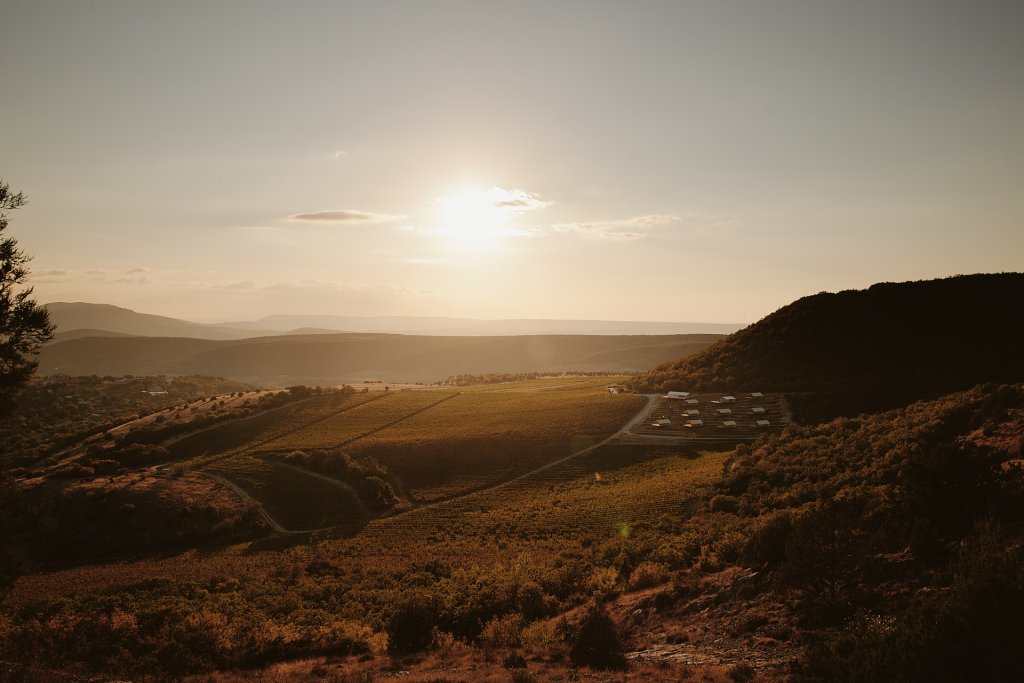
{"x": 677, "y": 161}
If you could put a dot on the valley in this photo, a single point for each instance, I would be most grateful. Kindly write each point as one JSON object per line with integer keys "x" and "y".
{"x": 476, "y": 528}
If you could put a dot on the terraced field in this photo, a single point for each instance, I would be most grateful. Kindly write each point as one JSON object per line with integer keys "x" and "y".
{"x": 434, "y": 444}
{"x": 363, "y": 420}
{"x": 255, "y": 432}
{"x": 294, "y": 498}
{"x": 480, "y": 438}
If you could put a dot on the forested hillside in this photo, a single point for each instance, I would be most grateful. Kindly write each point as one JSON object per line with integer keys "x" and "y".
{"x": 866, "y": 350}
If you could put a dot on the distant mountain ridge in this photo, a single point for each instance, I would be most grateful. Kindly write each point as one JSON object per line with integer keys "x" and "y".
{"x": 867, "y": 350}
{"x": 328, "y": 359}
{"x": 104, "y": 318}
{"x": 426, "y": 325}
{"x": 101, "y": 318}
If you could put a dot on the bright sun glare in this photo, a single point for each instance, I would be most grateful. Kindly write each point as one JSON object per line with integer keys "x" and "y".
{"x": 479, "y": 219}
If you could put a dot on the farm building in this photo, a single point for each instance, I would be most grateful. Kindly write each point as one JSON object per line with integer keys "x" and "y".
{"x": 678, "y": 394}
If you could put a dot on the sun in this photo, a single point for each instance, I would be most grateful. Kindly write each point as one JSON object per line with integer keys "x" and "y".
{"x": 478, "y": 219}
{"x": 472, "y": 219}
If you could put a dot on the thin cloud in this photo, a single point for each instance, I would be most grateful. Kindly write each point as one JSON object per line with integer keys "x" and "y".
{"x": 344, "y": 216}
{"x": 635, "y": 228}
{"x": 515, "y": 200}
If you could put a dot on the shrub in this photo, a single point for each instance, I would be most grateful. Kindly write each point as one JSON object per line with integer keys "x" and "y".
{"x": 647, "y": 574}
{"x": 722, "y": 503}
{"x": 767, "y": 545}
{"x": 601, "y": 582}
{"x": 541, "y": 634}
{"x": 597, "y": 643}
{"x": 503, "y": 632}
{"x": 411, "y": 626}
{"x": 514, "y": 661}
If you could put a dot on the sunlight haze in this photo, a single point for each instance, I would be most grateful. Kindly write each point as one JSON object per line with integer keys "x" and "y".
{"x": 697, "y": 161}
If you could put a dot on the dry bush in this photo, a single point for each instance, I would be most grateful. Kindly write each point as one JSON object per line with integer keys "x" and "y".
{"x": 647, "y": 574}
{"x": 503, "y": 632}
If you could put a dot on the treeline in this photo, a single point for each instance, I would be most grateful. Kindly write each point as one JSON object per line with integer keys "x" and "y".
{"x": 367, "y": 476}
{"x": 867, "y": 350}
{"x": 502, "y": 377}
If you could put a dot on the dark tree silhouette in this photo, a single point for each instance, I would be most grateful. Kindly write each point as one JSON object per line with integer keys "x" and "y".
{"x": 24, "y": 326}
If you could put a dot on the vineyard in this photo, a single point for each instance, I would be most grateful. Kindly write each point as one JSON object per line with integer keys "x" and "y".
{"x": 251, "y": 433}
{"x": 345, "y": 427}
{"x": 477, "y": 439}
{"x": 433, "y": 445}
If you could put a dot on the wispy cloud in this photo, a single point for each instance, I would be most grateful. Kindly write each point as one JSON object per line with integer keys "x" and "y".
{"x": 344, "y": 216}
{"x": 514, "y": 200}
{"x": 635, "y": 228}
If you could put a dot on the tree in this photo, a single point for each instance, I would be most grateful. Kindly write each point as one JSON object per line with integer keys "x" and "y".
{"x": 24, "y": 326}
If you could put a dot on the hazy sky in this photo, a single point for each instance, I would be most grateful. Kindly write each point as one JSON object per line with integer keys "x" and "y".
{"x": 700, "y": 161}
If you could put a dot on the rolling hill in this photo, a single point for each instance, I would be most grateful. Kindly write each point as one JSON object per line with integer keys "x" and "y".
{"x": 341, "y": 358}
{"x": 103, "y": 320}
{"x": 107, "y": 320}
{"x": 866, "y": 350}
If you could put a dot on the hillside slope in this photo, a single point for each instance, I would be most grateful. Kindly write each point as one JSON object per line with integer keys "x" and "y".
{"x": 107, "y": 320}
{"x": 865, "y": 350}
{"x": 340, "y": 358}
